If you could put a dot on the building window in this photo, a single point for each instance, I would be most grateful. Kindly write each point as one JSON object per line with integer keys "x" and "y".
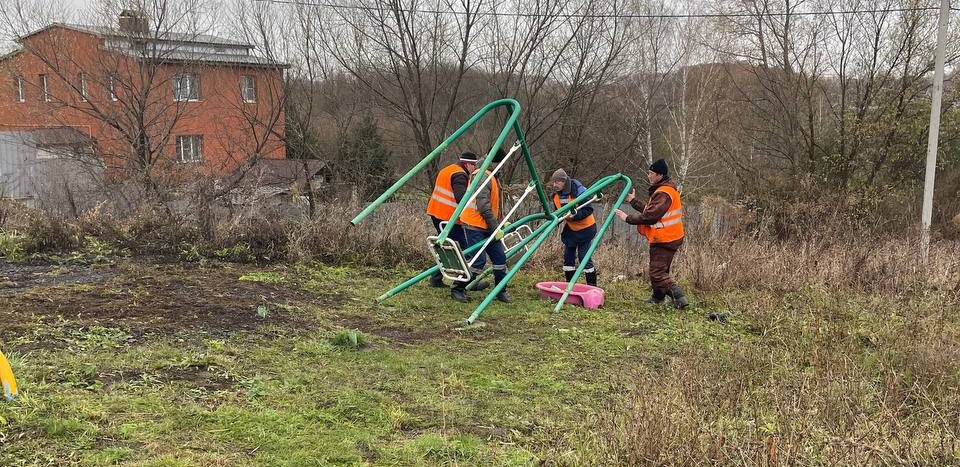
{"x": 186, "y": 87}
{"x": 189, "y": 148}
{"x": 43, "y": 153}
{"x": 82, "y": 83}
{"x": 248, "y": 88}
{"x": 19, "y": 83}
{"x": 112, "y": 87}
{"x": 44, "y": 89}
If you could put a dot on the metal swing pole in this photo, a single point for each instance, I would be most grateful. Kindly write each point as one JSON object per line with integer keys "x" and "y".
{"x": 627, "y": 184}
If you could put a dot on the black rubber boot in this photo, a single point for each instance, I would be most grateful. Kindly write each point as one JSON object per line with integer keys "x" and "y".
{"x": 568, "y": 275}
{"x": 459, "y": 293}
{"x": 658, "y": 297}
{"x": 679, "y": 299}
{"x": 436, "y": 280}
{"x": 592, "y": 278}
{"x": 498, "y": 276}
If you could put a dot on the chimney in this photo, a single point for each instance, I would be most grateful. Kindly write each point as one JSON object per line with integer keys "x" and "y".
{"x": 133, "y": 23}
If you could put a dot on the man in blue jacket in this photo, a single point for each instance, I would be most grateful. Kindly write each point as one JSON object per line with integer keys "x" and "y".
{"x": 579, "y": 228}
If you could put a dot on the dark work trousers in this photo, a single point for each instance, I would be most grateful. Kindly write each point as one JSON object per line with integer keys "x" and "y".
{"x": 661, "y": 257}
{"x": 575, "y": 246}
{"x": 494, "y": 250}
{"x": 457, "y": 235}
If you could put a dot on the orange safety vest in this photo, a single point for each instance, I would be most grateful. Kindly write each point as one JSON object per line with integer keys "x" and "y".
{"x": 670, "y": 226}
{"x": 471, "y": 216}
{"x": 574, "y": 225}
{"x": 442, "y": 201}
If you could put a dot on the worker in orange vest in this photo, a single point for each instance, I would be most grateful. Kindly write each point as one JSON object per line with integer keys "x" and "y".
{"x": 579, "y": 229}
{"x": 448, "y": 190}
{"x": 660, "y": 220}
{"x": 480, "y": 220}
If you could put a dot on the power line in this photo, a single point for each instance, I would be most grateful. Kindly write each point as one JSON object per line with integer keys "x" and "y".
{"x": 609, "y": 16}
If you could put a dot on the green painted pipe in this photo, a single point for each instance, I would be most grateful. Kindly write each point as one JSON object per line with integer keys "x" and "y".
{"x": 541, "y": 193}
{"x": 597, "y": 187}
{"x": 407, "y": 283}
{"x": 596, "y": 240}
{"x": 487, "y": 161}
{"x": 556, "y": 219}
{"x": 510, "y": 253}
{"x": 513, "y": 271}
{"x": 436, "y": 152}
{"x": 473, "y": 248}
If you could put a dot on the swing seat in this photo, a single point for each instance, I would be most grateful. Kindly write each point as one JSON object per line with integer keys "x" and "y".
{"x": 583, "y": 295}
{"x": 514, "y": 238}
{"x": 448, "y": 256}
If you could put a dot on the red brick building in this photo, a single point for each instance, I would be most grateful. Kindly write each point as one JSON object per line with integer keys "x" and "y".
{"x": 157, "y": 100}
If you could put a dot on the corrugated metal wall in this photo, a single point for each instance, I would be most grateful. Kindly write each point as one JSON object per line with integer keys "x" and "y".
{"x": 17, "y": 157}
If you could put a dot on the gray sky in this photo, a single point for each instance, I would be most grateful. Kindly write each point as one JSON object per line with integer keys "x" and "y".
{"x": 43, "y": 12}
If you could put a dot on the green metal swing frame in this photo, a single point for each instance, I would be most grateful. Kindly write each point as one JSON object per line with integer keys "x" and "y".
{"x": 549, "y": 219}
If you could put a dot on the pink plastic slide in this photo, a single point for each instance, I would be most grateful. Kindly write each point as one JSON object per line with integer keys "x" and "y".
{"x": 583, "y": 295}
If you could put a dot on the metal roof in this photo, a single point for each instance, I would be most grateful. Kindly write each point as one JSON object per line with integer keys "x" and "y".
{"x": 225, "y": 58}
{"x": 166, "y": 36}
{"x": 233, "y": 52}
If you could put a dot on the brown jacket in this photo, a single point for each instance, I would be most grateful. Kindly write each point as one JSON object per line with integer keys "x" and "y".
{"x": 655, "y": 207}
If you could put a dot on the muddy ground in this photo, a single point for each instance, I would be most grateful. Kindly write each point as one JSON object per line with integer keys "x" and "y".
{"x": 50, "y": 306}
{"x": 147, "y": 299}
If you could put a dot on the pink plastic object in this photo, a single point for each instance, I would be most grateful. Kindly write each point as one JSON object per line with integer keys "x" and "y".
{"x": 583, "y": 295}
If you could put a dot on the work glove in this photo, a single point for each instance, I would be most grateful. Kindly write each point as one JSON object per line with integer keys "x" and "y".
{"x": 498, "y": 234}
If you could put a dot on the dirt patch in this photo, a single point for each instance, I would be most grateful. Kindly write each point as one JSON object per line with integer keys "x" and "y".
{"x": 208, "y": 377}
{"x": 167, "y": 299}
{"x": 16, "y": 277}
{"x": 66, "y": 336}
{"x": 398, "y": 334}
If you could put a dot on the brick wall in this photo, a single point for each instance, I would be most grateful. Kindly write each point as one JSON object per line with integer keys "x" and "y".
{"x": 231, "y": 129}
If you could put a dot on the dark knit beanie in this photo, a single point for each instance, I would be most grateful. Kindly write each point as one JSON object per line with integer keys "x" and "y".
{"x": 559, "y": 176}
{"x": 468, "y": 157}
{"x": 659, "y": 166}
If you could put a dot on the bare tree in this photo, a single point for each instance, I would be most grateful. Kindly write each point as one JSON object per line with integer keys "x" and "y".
{"x": 693, "y": 90}
{"x": 138, "y": 86}
{"x": 125, "y": 90}
{"x": 656, "y": 57}
{"x": 880, "y": 63}
{"x": 413, "y": 62}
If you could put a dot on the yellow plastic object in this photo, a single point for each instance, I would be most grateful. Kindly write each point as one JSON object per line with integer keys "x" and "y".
{"x": 7, "y": 379}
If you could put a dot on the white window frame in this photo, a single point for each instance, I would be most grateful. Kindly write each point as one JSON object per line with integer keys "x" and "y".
{"x": 45, "y": 88}
{"x": 83, "y": 87}
{"x": 252, "y": 88}
{"x": 44, "y": 154}
{"x": 21, "y": 95}
{"x": 189, "y": 149}
{"x": 192, "y": 89}
{"x": 112, "y": 87}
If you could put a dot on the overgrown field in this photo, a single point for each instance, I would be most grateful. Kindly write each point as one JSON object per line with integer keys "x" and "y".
{"x": 133, "y": 362}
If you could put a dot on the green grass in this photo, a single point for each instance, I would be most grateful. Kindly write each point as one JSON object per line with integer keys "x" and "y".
{"x": 391, "y": 384}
